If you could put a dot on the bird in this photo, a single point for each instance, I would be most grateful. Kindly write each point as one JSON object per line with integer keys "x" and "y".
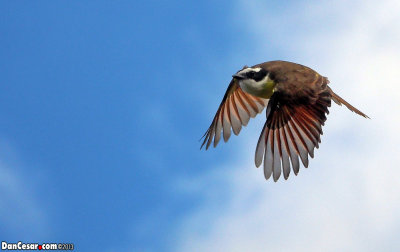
{"x": 296, "y": 98}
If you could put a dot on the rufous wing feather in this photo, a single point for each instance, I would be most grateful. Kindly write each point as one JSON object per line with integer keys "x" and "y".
{"x": 235, "y": 111}
{"x": 292, "y": 131}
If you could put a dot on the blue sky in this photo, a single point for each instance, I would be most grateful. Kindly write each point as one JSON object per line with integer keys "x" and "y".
{"x": 101, "y": 109}
{"x": 102, "y": 104}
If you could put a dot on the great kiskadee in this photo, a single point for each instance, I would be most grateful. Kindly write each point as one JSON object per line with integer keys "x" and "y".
{"x": 297, "y": 100}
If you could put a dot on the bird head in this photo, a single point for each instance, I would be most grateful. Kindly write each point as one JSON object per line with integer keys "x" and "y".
{"x": 253, "y": 80}
{"x": 251, "y": 75}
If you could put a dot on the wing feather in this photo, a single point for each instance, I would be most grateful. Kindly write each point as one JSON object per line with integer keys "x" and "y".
{"x": 218, "y": 129}
{"x": 269, "y": 154}
{"x": 277, "y": 150}
{"x": 292, "y": 131}
{"x": 244, "y": 113}
{"x": 260, "y": 147}
{"x": 235, "y": 111}
{"x": 226, "y": 125}
{"x": 234, "y": 116}
{"x": 284, "y": 148}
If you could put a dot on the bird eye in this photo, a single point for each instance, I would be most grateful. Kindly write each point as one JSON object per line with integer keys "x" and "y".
{"x": 250, "y": 75}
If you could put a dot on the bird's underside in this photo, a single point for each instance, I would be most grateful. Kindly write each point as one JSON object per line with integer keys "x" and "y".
{"x": 295, "y": 113}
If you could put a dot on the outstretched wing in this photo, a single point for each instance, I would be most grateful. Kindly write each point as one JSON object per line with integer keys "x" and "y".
{"x": 292, "y": 130}
{"x": 234, "y": 111}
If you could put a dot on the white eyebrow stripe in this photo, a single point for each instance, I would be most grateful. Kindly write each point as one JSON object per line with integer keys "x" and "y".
{"x": 249, "y": 69}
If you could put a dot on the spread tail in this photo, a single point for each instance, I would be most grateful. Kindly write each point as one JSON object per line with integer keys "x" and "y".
{"x": 339, "y": 101}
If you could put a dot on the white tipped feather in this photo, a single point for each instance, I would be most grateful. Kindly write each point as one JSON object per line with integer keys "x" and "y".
{"x": 260, "y": 150}
{"x": 277, "y": 159}
{"x": 218, "y": 128}
{"x": 285, "y": 151}
{"x": 269, "y": 156}
{"x": 293, "y": 153}
{"x": 299, "y": 143}
{"x": 226, "y": 125}
{"x": 236, "y": 124}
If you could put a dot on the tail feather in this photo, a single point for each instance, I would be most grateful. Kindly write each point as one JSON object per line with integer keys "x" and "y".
{"x": 339, "y": 101}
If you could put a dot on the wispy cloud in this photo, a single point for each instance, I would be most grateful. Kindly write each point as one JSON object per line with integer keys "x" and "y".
{"x": 20, "y": 206}
{"x": 348, "y": 199}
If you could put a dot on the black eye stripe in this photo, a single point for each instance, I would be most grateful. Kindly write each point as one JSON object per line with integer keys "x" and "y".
{"x": 257, "y": 76}
{"x": 250, "y": 74}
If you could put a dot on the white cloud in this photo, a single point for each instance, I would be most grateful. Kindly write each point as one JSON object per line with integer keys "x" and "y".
{"x": 20, "y": 210}
{"x": 348, "y": 200}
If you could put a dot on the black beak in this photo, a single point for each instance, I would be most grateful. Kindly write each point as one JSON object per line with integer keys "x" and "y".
{"x": 238, "y": 77}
